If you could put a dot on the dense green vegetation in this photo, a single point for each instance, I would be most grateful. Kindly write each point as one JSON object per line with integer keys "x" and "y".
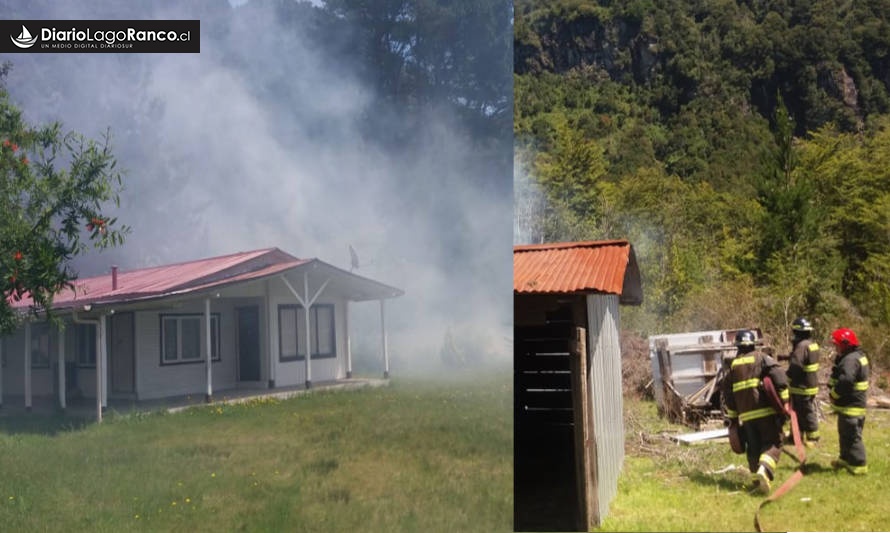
{"x": 415, "y": 456}
{"x": 741, "y": 146}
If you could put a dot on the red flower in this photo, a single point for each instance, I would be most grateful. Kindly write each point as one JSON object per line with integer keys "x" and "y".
{"x": 15, "y": 147}
{"x": 17, "y": 256}
{"x": 25, "y": 160}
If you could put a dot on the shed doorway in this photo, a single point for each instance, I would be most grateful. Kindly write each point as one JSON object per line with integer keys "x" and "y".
{"x": 545, "y": 483}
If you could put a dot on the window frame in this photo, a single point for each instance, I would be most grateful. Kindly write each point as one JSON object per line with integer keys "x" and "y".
{"x": 78, "y": 331}
{"x": 43, "y": 328}
{"x": 299, "y": 323}
{"x": 215, "y": 321}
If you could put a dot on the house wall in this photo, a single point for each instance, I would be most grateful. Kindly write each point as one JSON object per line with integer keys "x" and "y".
{"x": 14, "y": 371}
{"x": 290, "y": 373}
{"x": 154, "y": 380}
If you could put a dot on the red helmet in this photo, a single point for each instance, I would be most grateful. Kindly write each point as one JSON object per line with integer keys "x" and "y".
{"x": 844, "y": 337}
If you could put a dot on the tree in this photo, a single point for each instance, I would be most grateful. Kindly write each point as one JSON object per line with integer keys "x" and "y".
{"x": 53, "y": 187}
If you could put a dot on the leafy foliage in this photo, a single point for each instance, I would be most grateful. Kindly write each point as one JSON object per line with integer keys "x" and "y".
{"x": 53, "y": 186}
{"x": 740, "y": 146}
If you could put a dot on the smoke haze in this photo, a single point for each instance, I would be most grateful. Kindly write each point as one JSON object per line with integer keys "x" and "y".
{"x": 261, "y": 147}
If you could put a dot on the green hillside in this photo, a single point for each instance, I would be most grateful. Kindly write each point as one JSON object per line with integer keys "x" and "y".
{"x": 741, "y": 146}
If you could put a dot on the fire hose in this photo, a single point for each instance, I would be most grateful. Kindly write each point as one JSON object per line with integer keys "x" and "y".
{"x": 798, "y": 444}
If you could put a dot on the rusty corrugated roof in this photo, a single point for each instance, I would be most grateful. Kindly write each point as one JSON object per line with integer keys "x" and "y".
{"x": 576, "y": 267}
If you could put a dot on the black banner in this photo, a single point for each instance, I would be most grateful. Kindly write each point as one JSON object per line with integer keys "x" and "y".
{"x": 100, "y": 36}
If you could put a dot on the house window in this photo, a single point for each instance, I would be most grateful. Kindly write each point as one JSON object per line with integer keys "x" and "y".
{"x": 85, "y": 345}
{"x": 182, "y": 338}
{"x": 40, "y": 336}
{"x": 292, "y": 332}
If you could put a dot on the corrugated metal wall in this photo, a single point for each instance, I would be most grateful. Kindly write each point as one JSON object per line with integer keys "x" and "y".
{"x": 606, "y": 394}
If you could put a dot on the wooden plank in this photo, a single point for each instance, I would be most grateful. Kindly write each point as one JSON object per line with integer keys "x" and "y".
{"x": 545, "y": 380}
{"x": 541, "y": 363}
{"x": 701, "y": 436}
{"x": 585, "y": 463}
{"x": 549, "y": 399}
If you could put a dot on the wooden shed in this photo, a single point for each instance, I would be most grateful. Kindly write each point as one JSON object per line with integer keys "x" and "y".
{"x": 568, "y": 426}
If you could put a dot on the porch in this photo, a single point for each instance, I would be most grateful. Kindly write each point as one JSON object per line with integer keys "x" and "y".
{"x": 85, "y": 408}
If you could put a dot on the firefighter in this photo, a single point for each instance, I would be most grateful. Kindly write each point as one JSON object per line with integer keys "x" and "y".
{"x": 803, "y": 379}
{"x": 848, "y": 388}
{"x": 749, "y": 403}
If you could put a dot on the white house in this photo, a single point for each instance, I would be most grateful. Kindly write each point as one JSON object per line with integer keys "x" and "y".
{"x": 199, "y": 327}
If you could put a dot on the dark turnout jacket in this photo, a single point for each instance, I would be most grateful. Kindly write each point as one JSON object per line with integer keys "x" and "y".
{"x": 743, "y": 387}
{"x": 803, "y": 368}
{"x": 848, "y": 385}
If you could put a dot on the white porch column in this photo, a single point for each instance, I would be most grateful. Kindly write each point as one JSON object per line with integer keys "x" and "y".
{"x": 383, "y": 342}
{"x": 103, "y": 352}
{"x": 209, "y": 350}
{"x": 1, "y": 371}
{"x": 271, "y": 317}
{"x": 98, "y": 371}
{"x": 348, "y": 340}
{"x": 306, "y": 302}
{"x": 306, "y": 307}
{"x": 62, "y": 400}
{"x": 27, "y": 365}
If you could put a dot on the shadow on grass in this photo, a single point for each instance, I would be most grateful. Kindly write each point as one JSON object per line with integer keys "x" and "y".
{"x": 732, "y": 481}
{"x": 40, "y": 424}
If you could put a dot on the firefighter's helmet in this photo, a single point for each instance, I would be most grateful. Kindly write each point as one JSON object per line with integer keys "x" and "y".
{"x": 745, "y": 339}
{"x": 801, "y": 324}
{"x": 844, "y": 337}
{"x": 801, "y": 328}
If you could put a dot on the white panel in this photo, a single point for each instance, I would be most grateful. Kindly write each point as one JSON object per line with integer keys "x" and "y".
{"x": 606, "y": 394}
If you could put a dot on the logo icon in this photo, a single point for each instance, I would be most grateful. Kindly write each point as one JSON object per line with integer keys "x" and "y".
{"x": 24, "y": 40}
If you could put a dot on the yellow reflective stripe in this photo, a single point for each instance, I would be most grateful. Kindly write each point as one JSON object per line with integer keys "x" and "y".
{"x": 832, "y": 381}
{"x": 811, "y": 368}
{"x": 862, "y": 469}
{"x": 764, "y": 458}
{"x": 814, "y": 347}
{"x": 860, "y": 385}
{"x": 747, "y": 360}
{"x": 863, "y": 360}
{"x": 757, "y": 413}
{"x": 849, "y": 411}
{"x": 731, "y": 414}
{"x": 834, "y": 394}
{"x": 804, "y": 392}
{"x": 784, "y": 394}
{"x": 752, "y": 383}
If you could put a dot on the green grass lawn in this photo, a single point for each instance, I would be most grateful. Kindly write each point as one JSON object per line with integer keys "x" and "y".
{"x": 670, "y": 487}
{"x": 414, "y": 456}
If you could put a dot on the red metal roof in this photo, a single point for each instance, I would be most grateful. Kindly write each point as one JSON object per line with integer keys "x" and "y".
{"x": 172, "y": 279}
{"x": 573, "y": 267}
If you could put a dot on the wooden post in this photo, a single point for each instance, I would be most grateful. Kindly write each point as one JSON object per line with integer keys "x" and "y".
{"x": 585, "y": 440}
{"x": 27, "y": 365}
{"x": 209, "y": 351}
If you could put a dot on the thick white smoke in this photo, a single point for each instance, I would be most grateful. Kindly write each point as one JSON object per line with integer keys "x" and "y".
{"x": 213, "y": 166}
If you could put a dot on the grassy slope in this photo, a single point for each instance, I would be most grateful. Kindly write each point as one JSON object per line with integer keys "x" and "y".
{"x": 667, "y": 487}
{"x": 413, "y": 456}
